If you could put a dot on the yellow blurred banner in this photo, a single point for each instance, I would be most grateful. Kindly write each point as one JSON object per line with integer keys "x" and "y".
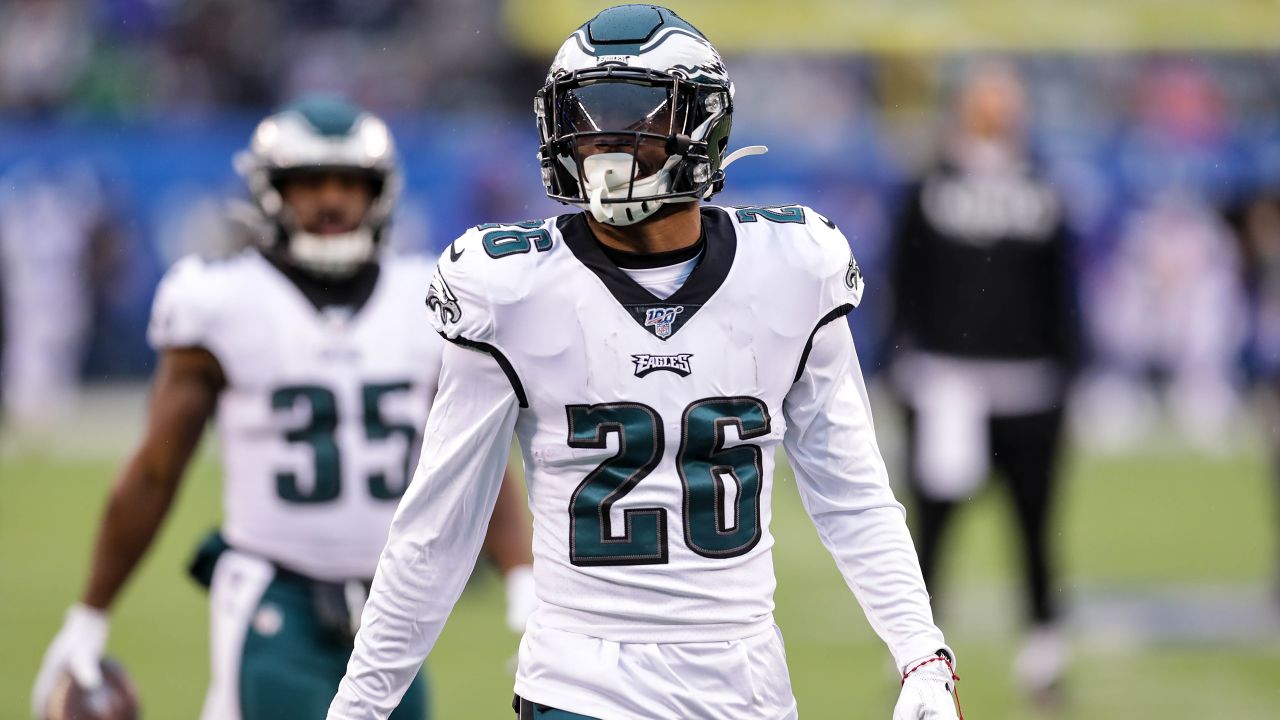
{"x": 539, "y": 26}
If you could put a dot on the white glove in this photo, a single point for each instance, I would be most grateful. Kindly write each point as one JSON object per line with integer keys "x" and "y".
{"x": 928, "y": 691}
{"x": 77, "y": 648}
{"x": 521, "y": 597}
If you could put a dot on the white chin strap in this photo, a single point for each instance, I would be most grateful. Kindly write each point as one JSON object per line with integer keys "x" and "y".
{"x": 333, "y": 256}
{"x": 608, "y": 177}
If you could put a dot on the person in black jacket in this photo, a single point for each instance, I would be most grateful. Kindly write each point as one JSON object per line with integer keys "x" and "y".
{"x": 984, "y": 339}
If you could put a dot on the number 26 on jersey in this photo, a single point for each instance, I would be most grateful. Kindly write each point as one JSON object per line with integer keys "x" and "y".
{"x": 712, "y": 527}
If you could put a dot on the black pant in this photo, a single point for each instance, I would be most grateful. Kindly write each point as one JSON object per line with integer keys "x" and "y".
{"x": 1024, "y": 452}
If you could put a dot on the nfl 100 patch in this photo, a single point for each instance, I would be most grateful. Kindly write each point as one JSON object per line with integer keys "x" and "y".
{"x": 661, "y": 321}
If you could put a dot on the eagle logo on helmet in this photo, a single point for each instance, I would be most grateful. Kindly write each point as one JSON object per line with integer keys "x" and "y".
{"x": 670, "y": 44}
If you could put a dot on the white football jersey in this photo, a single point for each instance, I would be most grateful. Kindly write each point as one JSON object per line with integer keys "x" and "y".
{"x": 649, "y": 426}
{"x": 322, "y": 414}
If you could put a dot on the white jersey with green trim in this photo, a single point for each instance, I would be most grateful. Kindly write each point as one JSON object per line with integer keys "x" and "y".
{"x": 648, "y": 428}
{"x": 651, "y": 424}
{"x": 320, "y": 420}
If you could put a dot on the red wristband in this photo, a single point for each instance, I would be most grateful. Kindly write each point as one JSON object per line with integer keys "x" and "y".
{"x": 940, "y": 658}
{"x": 955, "y": 693}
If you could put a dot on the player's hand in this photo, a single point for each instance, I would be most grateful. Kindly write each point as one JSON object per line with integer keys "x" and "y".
{"x": 928, "y": 691}
{"x": 77, "y": 648}
{"x": 521, "y": 597}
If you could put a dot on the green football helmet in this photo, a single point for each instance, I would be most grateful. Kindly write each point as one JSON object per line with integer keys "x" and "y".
{"x": 316, "y": 134}
{"x": 635, "y": 113}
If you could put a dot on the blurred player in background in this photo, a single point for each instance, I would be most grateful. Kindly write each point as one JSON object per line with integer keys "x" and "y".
{"x": 985, "y": 323}
{"x": 1168, "y": 306}
{"x": 1171, "y": 330}
{"x": 42, "y": 351}
{"x": 651, "y": 353}
{"x": 312, "y": 354}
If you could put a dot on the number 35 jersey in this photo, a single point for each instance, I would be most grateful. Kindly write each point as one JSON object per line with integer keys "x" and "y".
{"x": 649, "y": 425}
{"x": 322, "y": 412}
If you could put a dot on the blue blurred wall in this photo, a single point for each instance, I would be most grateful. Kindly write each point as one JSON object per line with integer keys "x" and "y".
{"x": 463, "y": 169}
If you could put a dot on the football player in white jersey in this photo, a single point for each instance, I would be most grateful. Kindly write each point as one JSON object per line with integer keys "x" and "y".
{"x": 651, "y": 353}
{"x": 314, "y": 355}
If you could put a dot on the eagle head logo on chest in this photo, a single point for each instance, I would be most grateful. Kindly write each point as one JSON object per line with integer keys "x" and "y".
{"x": 661, "y": 321}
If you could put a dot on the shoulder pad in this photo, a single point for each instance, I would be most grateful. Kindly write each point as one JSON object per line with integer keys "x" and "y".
{"x": 810, "y": 242}
{"x": 835, "y": 262}
{"x": 458, "y": 297}
{"x": 180, "y": 312}
{"x": 484, "y": 269}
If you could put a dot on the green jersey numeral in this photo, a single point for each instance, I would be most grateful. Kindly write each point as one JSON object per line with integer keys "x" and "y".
{"x": 790, "y": 214}
{"x": 319, "y": 432}
{"x": 504, "y": 240}
{"x": 592, "y": 537}
{"x": 710, "y": 473}
{"x": 705, "y": 464}
{"x": 377, "y": 428}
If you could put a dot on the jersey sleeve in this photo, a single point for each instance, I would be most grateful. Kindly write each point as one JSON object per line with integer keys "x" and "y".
{"x": 830, "y": 441}
{"x": 458, "y": 298}
{"x": 180, "y": 313}
{"x": 435, "y": 536}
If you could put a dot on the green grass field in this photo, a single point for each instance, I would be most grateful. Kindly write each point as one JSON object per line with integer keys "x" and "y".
{"x": 1162, "y": 527}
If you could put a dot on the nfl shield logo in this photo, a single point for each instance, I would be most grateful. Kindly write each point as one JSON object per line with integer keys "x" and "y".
{"x": 661, "y": 319}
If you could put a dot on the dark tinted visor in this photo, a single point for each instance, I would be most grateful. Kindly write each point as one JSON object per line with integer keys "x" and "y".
{"x": 617, "y": 107}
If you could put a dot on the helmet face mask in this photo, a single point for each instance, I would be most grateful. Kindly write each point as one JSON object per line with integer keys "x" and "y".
{"x": 651, "y": 115}
{"x": 306, "y": 141}
{"x": 635, "y": 113}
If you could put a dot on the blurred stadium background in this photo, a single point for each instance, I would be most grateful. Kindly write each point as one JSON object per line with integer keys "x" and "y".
{"x": 1158, "y": 119}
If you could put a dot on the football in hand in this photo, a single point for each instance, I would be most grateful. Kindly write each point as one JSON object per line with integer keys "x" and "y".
{"x": 115, "y": 699}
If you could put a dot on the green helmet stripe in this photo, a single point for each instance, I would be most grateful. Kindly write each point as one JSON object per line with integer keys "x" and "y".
{"x": 330, "y": 116}
{"x": 623, "y": 29}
